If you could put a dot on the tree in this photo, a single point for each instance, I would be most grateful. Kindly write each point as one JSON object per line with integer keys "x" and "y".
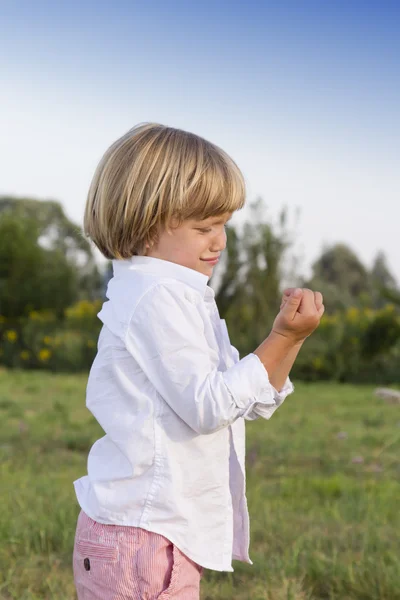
{"x": 56, "y": 233}
{"x": 248, "y": 294}
{"x": 341, "y": 277}
{"x": 31, "y": 277}
{"x": 45, "y": 263}
{"x": 383, "y": 283}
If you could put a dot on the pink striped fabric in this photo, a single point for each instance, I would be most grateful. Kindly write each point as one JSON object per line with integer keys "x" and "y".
{"x": 118, "y": 562}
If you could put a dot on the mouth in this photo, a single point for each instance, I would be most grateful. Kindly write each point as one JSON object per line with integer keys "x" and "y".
{"x": 210, "y": 261}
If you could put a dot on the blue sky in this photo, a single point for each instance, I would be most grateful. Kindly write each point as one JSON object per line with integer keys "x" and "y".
{"x": 305, "y": 96}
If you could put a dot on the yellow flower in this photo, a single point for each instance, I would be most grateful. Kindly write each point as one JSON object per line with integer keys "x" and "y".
{"x": 83, "y": 309}
{"x": 352, "y": 313}
{"x": 330, "y": 319}
{"x": 318, "y": 362}
{"x": 389, "y": 308}
{"x": 11, "y": 335}
{"x": 47, "y": 340}
{"x": 44, "y": 316}
{"x": 25, "y": 355}
{"x": 44, "y": 354}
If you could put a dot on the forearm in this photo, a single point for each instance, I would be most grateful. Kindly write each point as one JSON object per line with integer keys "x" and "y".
{"x": 278, "y": 353}
{"x": 279, "y": 376}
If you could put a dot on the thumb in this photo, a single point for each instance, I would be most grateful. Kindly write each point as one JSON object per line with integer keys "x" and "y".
{"x": 292, "y": 303}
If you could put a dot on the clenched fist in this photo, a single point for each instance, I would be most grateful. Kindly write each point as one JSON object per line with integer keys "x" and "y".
{"x": 300, "y": 313}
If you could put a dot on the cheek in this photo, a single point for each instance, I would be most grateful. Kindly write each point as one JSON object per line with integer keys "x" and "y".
{"x": 188, "y": 251}
{"x": 203, "y": 244}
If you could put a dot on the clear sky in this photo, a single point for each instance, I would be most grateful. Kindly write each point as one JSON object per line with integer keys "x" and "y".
{"x": 305, "y": 96}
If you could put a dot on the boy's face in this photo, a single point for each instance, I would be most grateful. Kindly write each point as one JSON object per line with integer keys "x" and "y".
{"x": 193, "y": 243}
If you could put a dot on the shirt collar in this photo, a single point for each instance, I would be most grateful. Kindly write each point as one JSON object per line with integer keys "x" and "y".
{"x": 165, "y": 268}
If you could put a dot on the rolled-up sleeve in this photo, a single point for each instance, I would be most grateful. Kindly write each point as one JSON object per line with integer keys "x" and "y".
{"x": 261, "y": 409}
{"x": 166, "y": 337}
{"x": 264, "y": 409}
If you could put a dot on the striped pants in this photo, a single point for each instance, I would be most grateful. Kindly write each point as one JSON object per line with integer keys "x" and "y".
{"x": 118, "y": 562}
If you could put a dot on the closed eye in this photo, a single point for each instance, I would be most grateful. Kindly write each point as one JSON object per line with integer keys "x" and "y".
{"x": 204, "y": 230}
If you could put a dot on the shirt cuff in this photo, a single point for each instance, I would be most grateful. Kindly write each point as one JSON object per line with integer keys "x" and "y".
{"x": 266, "y": 412}
{"x": 248, "y": 383}
{"x": 287, "y": 389}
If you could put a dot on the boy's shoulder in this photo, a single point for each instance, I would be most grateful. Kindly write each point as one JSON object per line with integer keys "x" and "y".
{"x": 129, "y": 288}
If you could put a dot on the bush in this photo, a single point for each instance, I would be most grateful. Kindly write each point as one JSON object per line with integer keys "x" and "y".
{"x": 359, "y": 345}
{"x": 41, "y": 341}
{"x": 353, "y": 346}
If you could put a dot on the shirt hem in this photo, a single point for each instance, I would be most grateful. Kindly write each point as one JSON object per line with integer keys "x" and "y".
{"x": 127, "y": 523}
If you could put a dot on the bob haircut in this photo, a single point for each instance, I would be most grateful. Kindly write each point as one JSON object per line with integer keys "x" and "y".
{"x": 153, "y": 178}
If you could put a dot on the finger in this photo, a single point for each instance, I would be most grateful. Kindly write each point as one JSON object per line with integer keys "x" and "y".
{"x": 288, "y": 291}
{"x": 321, "y": 311}
{"x": 307, "y": 303}
{"x": 286, "y": 295}
{"x": 292, "y": 303}
{"x": 318, "y": 299}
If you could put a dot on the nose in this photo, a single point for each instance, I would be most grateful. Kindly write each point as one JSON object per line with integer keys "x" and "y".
{"x": 219, "y": 241}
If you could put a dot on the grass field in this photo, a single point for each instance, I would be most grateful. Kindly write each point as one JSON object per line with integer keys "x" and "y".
{"x": 323, "y": 490}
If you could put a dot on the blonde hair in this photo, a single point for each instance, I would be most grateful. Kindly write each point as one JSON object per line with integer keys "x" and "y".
{"x": 151, "y": 176}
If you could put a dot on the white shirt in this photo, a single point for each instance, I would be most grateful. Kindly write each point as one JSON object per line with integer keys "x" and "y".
{"x": 171, "y": 394}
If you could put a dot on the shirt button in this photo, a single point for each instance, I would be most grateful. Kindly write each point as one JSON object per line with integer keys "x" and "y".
{"x": 86, "y": 564}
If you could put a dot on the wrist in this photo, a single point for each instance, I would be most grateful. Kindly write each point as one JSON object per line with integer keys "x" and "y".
{"x": 290, "y": 340}
{"x": 276, "y": 348}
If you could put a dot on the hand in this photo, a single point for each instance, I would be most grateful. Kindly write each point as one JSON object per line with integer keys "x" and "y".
{"x": 300, "y": 313}
{"x": 318, "y": 299}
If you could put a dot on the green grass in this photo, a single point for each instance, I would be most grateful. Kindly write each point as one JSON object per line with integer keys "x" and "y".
{"x": 324, "y": 524}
